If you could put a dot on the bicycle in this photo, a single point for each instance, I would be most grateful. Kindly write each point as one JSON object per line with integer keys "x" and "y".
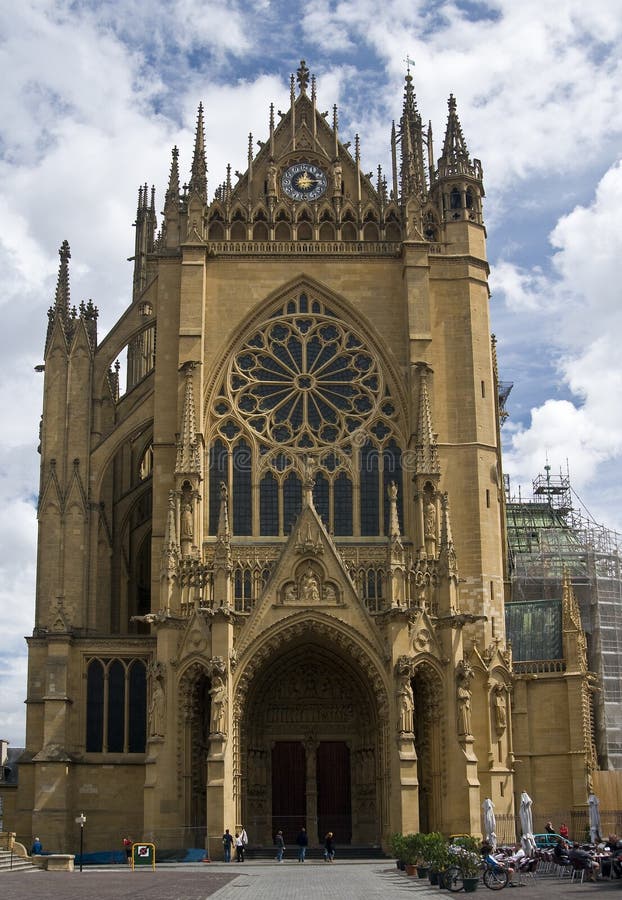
{"x": 494, "y": 876}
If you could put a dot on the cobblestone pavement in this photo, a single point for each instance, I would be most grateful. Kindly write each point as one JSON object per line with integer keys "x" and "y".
{"x": 342, "y": 880}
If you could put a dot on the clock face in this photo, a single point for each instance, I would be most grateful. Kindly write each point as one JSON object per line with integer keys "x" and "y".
{"x": 303, "y": 181}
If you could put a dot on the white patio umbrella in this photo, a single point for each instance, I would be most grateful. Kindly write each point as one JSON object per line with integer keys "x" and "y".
{"x": 594, "y": 811}
{"x": 526, "y": 821}
{"x": 490, "y": 823}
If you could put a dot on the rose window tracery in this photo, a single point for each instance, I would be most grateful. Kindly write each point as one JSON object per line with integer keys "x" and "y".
{"x": 304, "y": 383}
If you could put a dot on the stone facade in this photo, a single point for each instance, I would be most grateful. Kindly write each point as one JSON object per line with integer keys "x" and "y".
{"x": 278, "y": 554}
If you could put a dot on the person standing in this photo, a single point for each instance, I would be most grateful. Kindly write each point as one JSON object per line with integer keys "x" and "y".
{"x": 280, "y": 846}
{"x": 329, "y": 848}
{"x": 127, "y": 847}
{"x": 239, "y": 847}
{"x": 563, "y": 830}
{"x": 549, "y": 828}
{"x": 303, "y": 842}
{"x": 227, "y": 841}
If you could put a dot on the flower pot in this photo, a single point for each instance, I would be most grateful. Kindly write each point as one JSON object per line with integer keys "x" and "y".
{"x": 470, "y": 884}
{"x": 433, "y": 876}
{"x": 422, "y": 871}
{"x": 401, "y": 865}
{"x": 410, "y": 869}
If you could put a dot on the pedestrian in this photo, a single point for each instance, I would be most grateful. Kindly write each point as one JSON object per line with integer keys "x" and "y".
{"x": 227, "y": 841}
{"x": 563, "y": 830}
{"x": 127, "y": 847}
{"x": 239, "y": 847}
{"x": 329, "y": 848}
{"x": 37, "y": 847}
{"x": 303, "y": 842}
{"x": 280, "y": 846}
{"x": 549, "y": 828}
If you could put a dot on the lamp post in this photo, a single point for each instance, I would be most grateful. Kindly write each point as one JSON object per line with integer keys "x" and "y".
{"x": 81, "y": 819}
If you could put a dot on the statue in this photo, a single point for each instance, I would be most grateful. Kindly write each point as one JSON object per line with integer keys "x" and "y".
{"x": 158, "y": 700}
{"x": 337, "y": 178}
{"x": 271, "y": 179}
{"x": 309, "y": 587}
{"x": 218, "y": 695}
{"x": 429, "y": 526}
{"x": 463, "y": 696}
{"x": 406, "y": 705}
{"x": 187, "y": 526}
{"x": 499, "y": 708}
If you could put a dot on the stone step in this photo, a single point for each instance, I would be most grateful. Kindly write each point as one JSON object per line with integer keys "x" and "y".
{"x": 16, "y": 865}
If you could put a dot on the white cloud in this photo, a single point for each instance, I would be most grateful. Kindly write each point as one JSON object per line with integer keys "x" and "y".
{"x": 578, "y": 308}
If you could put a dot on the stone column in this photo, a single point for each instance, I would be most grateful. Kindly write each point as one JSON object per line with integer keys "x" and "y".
{"x": 311, "y": 747}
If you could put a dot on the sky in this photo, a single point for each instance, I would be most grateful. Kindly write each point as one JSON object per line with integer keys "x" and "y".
{"x": 95, "y": 94}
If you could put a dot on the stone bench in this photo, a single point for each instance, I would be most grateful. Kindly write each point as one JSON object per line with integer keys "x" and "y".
{"x": 59, "y": 862}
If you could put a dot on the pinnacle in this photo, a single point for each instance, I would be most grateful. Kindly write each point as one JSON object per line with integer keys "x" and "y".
{"x": 198, "y": 178}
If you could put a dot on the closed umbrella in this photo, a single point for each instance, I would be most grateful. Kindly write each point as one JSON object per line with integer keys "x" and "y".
{"x": 490, "y": 824}
{"x": 526, "y": 821}
{"x": 594, "y": 810}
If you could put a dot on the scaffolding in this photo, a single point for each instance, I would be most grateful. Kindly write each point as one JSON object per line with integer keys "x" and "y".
{"x": 550, "y": 535}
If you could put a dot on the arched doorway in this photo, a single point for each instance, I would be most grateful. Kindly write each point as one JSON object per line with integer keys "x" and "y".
{"x": 428, "y": 723}
{"x": 311, "y": 746}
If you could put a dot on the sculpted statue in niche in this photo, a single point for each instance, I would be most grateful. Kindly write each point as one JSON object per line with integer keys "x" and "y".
{"x": 158, "y": 700}
{"x": 329, "y": 594}
{"x": 463, "y": 696}
{"x": 271, "y": 179}
{"x": 337, "y": 174}
{"x": 187, "y": 526}
{"x": 218, "y": 695}
{"x": 429, "y": 525}
{"x": 499, "y": 706}
{"x": 310, "y": 587}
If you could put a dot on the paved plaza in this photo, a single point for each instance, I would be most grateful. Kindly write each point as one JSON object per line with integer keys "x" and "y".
{"x": 265, "y": 881}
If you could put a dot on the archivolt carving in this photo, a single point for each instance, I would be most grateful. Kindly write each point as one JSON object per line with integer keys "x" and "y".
{"x": 299, "y": 627}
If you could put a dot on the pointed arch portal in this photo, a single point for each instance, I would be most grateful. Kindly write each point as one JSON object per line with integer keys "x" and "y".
{"x": 312, "y": 746}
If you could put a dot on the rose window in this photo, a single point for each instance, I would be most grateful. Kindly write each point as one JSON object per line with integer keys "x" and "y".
{"x": 304, "y": 382}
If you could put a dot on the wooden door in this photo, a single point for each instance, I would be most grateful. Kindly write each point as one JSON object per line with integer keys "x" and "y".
{"x": 334, "y": 805}
{"x": 288, "y": 789}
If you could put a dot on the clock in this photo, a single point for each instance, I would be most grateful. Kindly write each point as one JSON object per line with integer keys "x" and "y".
{"x": 304, "y": 181}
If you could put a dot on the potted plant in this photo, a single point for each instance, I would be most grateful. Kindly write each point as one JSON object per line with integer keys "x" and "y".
{"x": 465, "y": 854}
{"x": 437, "y": 851}
{"x": 414, "y": 844}
{"x": 397, "y": 844}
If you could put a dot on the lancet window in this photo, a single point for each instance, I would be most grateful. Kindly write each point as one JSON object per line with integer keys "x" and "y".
{"x": 116, "y": 706}
{"x": 304, "y": 392}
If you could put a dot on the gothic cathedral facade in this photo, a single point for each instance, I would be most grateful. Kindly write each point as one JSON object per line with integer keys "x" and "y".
{"x": 270, "y": 583}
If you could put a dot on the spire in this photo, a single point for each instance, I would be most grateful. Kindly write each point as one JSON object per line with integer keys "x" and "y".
{"x": 447, "y": 555}
{"x": 411, "y": 137}
{"x": 394, "y": 520}
{"x": 188, "y": 455}
{"x": 172, "y": 192}
{"x": 60, "y": 310}
{"x": 426, "y": 449}
{"x": 455, "y": 158}
{"x": 223, "y": 533}
{"x": 198, "y": 179}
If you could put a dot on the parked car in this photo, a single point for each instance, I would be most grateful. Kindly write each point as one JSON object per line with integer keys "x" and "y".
{"x": 548, "y": 840}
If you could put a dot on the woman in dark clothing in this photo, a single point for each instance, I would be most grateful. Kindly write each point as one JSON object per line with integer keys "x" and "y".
{"x": 329, "y": 848}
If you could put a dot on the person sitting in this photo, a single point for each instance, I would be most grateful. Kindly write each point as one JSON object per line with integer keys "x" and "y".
{"x": 582, "y": 859}
{"x": 560, "y": 853}
{"x": 37, "y": 847}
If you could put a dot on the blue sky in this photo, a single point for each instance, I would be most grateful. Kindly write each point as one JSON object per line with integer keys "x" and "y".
{"x": 95, "y": 95}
